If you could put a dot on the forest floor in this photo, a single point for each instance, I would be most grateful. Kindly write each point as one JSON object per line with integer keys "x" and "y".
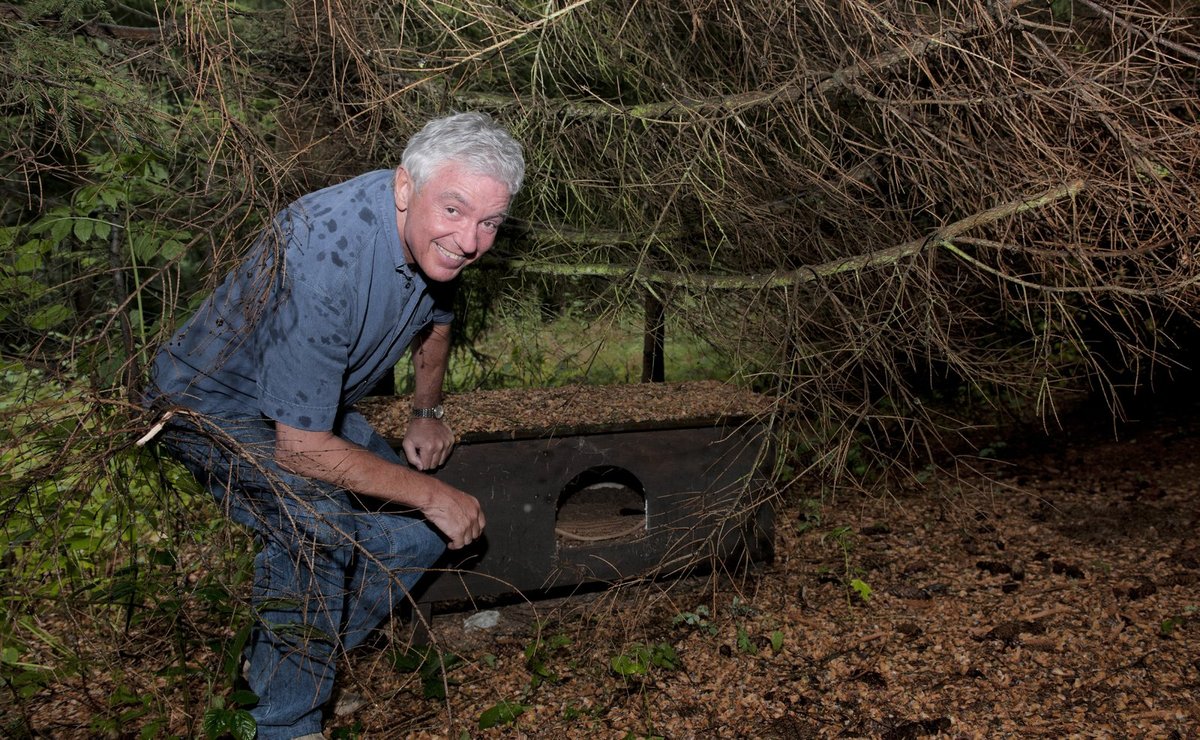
{"x": 1051, "y": 591}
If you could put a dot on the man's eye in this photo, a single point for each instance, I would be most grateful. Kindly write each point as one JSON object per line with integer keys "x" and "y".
{"x": 451, "y": 210}
{"x": 491, "y": 225}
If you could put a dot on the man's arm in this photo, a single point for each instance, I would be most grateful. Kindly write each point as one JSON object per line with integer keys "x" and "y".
{"x": 428, "y": 442}
{"x": 327, "y": 457}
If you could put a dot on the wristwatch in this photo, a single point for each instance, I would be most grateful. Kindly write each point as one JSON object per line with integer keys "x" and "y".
{"x": 436, "y": 412}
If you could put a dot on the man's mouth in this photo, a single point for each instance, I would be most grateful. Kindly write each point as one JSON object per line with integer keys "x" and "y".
{"x": 450, "y": 255}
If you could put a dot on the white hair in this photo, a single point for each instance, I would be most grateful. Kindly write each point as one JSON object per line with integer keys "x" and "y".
{"x": 470, "y": 139}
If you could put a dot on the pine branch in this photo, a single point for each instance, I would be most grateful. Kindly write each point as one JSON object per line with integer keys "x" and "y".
{"x": 1153, "y": 37}
{"x": 789, "y": 92}
{"x": 941, "y": 238}
{"x": 98, "y": 28}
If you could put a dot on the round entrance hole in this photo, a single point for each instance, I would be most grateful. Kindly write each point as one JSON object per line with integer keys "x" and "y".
{"x": 601, "y": 504}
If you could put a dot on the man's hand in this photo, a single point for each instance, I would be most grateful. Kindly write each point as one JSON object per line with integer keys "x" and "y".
{"x": 427, "y": 443}
{"x": 456, "y": 514}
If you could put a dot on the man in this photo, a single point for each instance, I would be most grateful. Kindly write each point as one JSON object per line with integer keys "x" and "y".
{"x": 262, "y": 382}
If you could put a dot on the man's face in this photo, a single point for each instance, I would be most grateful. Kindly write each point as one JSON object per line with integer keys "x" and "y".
{"x": 451, "y": 221}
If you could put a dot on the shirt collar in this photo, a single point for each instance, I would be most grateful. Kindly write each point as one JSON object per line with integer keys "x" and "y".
{"x": 387, "y": 206}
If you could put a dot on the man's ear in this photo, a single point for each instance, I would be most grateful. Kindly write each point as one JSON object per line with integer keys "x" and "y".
{"x": 403, "y": 186}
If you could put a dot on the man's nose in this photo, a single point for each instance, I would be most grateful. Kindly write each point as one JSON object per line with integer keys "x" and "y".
{"x": 472, "y": 241}
{"x": 468, "y": 241}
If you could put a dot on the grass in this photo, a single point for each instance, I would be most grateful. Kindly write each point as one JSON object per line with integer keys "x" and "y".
{"x": 524, "y": 349}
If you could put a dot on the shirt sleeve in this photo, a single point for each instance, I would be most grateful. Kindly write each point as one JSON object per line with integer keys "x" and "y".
{"x": 304, "y": 352}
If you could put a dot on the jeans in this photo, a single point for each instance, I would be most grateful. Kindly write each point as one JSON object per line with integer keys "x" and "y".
{"x": 330, "y": 568}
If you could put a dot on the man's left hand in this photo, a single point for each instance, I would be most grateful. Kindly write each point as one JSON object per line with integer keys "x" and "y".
{"x": 427, "y": 443}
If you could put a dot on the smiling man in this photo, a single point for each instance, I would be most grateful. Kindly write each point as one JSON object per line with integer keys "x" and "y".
{"x": 261, "y": 384}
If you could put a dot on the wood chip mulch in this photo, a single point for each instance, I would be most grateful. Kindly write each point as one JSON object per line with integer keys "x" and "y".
{"x": 546, "y": 411}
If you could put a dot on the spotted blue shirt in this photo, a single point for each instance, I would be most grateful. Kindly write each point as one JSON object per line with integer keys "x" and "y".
{"x": 302, "y": 342}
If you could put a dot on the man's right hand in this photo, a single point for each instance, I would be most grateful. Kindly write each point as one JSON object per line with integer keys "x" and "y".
{"x": 457, "y": 514}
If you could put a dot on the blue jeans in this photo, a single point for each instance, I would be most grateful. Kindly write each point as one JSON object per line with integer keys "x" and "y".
{"x": 330, "y": 567}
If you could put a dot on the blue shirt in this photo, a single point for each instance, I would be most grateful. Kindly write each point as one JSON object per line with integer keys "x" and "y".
{"x": 301, "y": 343}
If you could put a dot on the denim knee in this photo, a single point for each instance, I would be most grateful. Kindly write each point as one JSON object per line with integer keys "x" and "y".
{"x": 400, "y": 540}
{"x": 428, "y": 546}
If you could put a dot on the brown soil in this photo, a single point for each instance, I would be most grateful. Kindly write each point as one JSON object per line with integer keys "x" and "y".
{"x": 1051, "y": 593}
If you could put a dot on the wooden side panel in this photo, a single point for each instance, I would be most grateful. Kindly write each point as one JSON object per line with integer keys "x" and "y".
{"x": 693, "y": 481}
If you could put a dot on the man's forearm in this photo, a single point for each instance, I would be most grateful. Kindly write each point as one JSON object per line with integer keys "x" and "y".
{"x": 327, "y": 457}
{"x": 345, "y": 464}
{"x": 431, "y": 357}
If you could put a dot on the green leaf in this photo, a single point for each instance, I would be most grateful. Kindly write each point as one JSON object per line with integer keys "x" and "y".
{"x": 776, "y": 641}
{"x": 144, "y": 245}
{"x": 743, "y": 642}
{"x": 864, "y": 590}
{"x": 110, "y": 197}
{"x": 160, "y": 556}
{"x": 410, "y": 660}
{"x": 664, "y": 656}
{"x": 504, "y": 713}
{"x": 29, "y": 256}
{"x": 171, "y": 249}
{"x": 243, "y": 698}
{"x": 83, "y": 228}
{"x": 60, "y": 229}
{"x": 242, "y": 725}
{"x": 219, "y": 721}
{"x": 215, "y": 722}
{"x": 48, "y": 317}
{"x": 433, "y": 686}
{"x": 629, "y": 665}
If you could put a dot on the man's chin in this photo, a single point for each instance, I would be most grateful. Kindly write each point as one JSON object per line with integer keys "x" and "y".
{"x": 440, "y": 273}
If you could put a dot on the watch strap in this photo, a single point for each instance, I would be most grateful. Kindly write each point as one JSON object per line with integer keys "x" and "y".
{"x": 435, "y": 412}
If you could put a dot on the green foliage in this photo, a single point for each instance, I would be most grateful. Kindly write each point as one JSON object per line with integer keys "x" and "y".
{"x": 810, "y": 515}
{"x": 537, "y": 656}
{"x": 101, "y": 532}
{"x": 696, "y": 619}
{"x": 220, "y": 720}
{"x": 1063, "y": 10}
{"x": 503, "y": 713}
{"x": 578, "y": 340}
{"x": 842, "y": 537}
{"x": 740, "y": 608}
{"x": 431, "y": 664}
{"x": 1168, "y": 626}
{"x": 136, "y": 170}
{"x": 861, "y": 588}
{"x": 639, "y": 659}
{"x": 744, "y": 643}
{"x": 22, "y": 678}
{"x": 353, "y": 732}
